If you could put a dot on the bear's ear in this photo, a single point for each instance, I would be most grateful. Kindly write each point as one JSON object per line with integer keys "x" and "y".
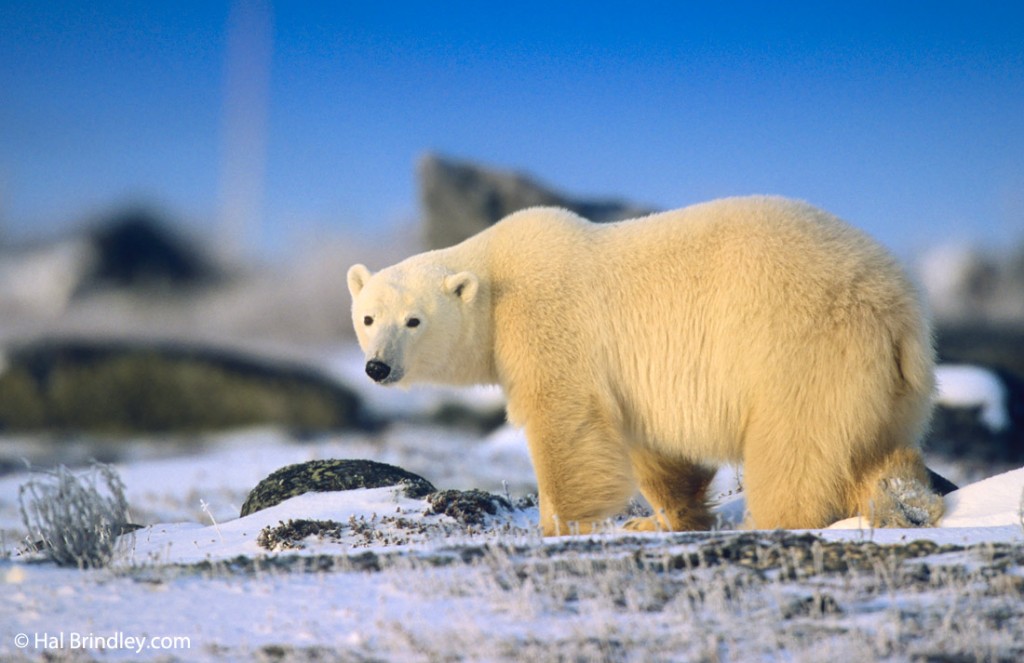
{"x": 463, "y": 285}
{"x": 358, "y": 275}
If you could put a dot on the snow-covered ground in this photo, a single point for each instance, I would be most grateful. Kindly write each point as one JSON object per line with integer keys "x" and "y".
{"x": 391, "y": 583}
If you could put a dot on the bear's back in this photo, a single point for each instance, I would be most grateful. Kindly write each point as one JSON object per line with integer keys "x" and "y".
{"x": 759, "y": 252}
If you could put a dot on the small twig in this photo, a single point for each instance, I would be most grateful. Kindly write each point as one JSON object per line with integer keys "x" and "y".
{"x": 206, "y": 509}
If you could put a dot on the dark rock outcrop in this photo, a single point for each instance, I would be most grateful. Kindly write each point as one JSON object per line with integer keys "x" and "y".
{"x": 963, "y": 432}
{"x": 125, "y": 387}
{"x": 1000, "y": 347}
{"x": 469, "y": 507}
{"x": 321, "y": 476}
{"x": 137, "y": 249}
{"x": 459, "y": 199}
{"x": 132, "y": 252}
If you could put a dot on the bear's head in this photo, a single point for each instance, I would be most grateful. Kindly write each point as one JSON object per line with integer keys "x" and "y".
{"x": 416, "y": 322}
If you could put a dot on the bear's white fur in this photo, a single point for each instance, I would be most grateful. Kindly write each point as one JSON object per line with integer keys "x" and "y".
{"x": 644, "y": 353}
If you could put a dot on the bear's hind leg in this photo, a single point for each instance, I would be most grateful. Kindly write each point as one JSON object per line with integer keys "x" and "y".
{"x": 676, "y": 489}
{"x": 792, "y": 486}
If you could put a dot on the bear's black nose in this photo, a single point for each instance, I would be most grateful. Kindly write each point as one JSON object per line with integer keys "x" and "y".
{"x": 377, "y": 370}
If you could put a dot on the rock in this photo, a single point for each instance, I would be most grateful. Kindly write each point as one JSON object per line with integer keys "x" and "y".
{"x": 479, "y": 419}
{"x": 321, "y": 476}
{"x": 289, "y": 535}
{"x": 983, "y": 423}
{"x": 960, "y": 434}
{"x": 132, "y": 251}
{"x": 460, "y": 199}
{"x": 137, "y": 249}
{"x": 998, "y": 347}
{"x": 939, "y": 484}
{"x": 979, "y": 415}
{"x": 469, "y": 507}
{"x": 125, "y": 387}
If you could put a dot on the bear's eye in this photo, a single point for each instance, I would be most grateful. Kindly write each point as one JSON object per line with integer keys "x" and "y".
{"x": 368, "y": 320}
{"x": 412, "y": 322}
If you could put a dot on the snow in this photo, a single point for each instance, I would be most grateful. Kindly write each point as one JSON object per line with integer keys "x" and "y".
{"x": 187, "y": 543}
{"x": 499, "y": 596}
{"x": 991, "y": 510}
{"x": 40, "y": 282}
{"x": 988, "y": 511}
{"x": 994, "y": 502}
{"x": 965, "y": 386}
{"x": 223, "y": 615}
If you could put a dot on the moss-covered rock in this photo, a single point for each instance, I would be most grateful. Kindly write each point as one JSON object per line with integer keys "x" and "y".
{"x": 469, "y": 507}
{"x": 118, "y": 387}
{"x": 320, "y": 476}
{"x": 289, "y": 535}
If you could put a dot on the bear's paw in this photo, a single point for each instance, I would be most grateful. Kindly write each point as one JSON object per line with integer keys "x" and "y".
{"x": 906, "y": 503}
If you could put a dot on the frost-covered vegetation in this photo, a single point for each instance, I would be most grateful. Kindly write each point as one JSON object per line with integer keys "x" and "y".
{"x": 75, "y": 519}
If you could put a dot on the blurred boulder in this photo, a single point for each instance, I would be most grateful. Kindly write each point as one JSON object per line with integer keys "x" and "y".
{"x": 483, "y": 418}
{"x": 133, "y": 250}
{"x": 979, "y": 415}
{"x": 138, "y": 249}
{"x": 997, "y": 346}
{"x": 460, "y": 198}
{"x": 126, "y": 387}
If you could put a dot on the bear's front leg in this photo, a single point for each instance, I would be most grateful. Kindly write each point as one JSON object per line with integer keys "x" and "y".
{"x": 582, "y": 467}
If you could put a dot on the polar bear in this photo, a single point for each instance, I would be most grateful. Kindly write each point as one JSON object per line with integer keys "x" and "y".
{"x": 644, "y": 353}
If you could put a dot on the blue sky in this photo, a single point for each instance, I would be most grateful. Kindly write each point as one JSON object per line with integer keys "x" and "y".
{"x": 906, "y": 119}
